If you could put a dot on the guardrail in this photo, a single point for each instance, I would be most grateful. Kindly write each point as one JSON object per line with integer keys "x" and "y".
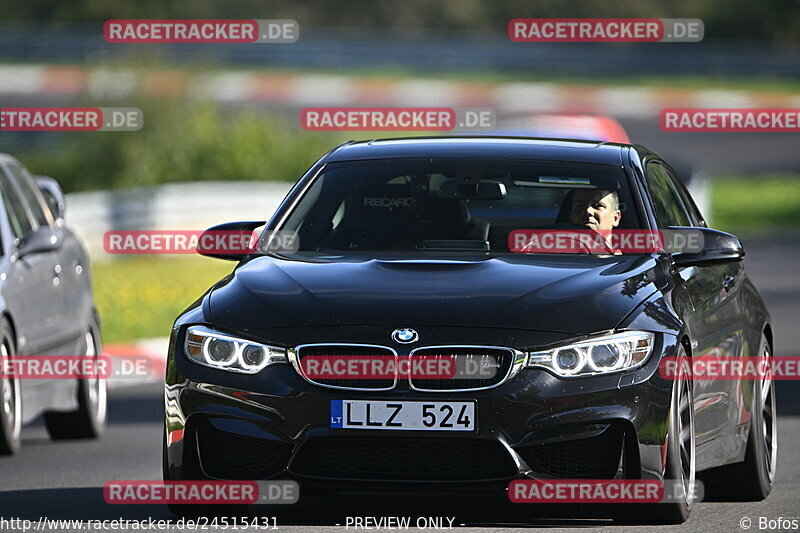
{"x": 358, "y": 48}
{"x": 182, "y": 206}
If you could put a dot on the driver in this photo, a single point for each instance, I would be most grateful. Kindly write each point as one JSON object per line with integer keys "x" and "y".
{"x": 598, "y": 210}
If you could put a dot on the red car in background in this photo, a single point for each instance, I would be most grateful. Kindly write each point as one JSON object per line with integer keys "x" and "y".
{"x": 599, "y": 128}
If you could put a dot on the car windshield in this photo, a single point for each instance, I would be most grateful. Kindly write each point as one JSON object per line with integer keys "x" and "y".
{"x": 452, "y": 206}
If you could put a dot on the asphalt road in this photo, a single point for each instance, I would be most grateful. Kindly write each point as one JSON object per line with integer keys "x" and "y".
{"x": 772, "y": 263}
{"x": 63, "y": 481}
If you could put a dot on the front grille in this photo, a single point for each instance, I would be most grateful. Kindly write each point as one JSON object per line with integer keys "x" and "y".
{"x": 232, "y": 456}
{"x": 590, "y": 458}
{"x": 343, "y": 352}
{"x": 478, "y": 367}
{"x": 403, "y": 459}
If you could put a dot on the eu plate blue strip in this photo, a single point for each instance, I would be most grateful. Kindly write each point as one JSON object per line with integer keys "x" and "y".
{"x": 336, "y": 413}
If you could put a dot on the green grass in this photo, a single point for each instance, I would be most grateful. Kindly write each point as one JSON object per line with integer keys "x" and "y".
{"x": 756, "y": 204}
{"x": 139, "y": 298}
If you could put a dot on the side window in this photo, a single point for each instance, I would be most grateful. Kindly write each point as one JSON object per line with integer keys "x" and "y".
{"x": 21, "y": 224}
{"x": 32, "y": 194}
{"x": 668, "y": 204}
{"x": 694, "y": 213}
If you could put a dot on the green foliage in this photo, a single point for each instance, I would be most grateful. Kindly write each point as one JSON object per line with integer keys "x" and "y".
{"x": 777, "y": 20}
{"x": 140, "y": 297}
{"x": 752, "y": 204}
{"x": 184, "y": 141}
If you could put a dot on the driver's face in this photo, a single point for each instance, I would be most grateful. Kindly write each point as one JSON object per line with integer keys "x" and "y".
{"x": 595, "y": 210}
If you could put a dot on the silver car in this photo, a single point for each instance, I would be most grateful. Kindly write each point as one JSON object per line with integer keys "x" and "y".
{"x": 46, "y": 309}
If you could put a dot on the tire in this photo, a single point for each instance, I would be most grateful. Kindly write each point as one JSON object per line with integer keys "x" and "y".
{"x": 10, "y": 397}
{"x": 681, "y": 460}
{"x": 752, "y": 479}
{"x": 89, "y": 420}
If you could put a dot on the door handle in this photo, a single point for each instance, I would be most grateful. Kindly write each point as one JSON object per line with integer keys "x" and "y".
{"x": 728, "y": 283}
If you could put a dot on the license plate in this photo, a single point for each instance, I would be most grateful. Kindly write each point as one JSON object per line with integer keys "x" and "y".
{"x": 416, "y": 416}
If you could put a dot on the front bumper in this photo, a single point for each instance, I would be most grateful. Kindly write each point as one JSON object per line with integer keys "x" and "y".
{"x": 276, "y": 425}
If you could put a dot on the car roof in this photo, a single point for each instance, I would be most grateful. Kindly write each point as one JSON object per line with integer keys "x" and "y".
{"x": 562, "y": 126}
{"x": 482, "y": 146}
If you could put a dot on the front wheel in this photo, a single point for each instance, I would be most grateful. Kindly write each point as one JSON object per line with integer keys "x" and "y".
{"x": 680, "y": 470}
{"x": 752, "y": 479}
{"x": 10, "y": 396}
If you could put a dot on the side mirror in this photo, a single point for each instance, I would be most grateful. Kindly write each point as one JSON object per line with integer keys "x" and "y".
{"x": 54, "y": 196}
{"x": 232, "y": 235}
{"x": 718, "y": 247}
{"x": 41, "y": 240}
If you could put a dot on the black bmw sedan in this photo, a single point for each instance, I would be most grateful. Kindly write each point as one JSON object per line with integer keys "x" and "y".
{"x": 419, "y": 249}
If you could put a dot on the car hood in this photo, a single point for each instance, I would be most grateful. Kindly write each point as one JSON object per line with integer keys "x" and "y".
{"x": 576, "y": 294}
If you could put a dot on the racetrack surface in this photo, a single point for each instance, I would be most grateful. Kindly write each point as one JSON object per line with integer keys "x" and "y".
{"x": 65, "y": 480}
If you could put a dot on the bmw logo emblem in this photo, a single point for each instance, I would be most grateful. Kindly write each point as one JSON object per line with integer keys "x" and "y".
{"x": 405, "y": 335}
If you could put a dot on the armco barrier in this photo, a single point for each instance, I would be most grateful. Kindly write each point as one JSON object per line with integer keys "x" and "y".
{"x": 182, "y": 206}
{"x": 369, "y": 48}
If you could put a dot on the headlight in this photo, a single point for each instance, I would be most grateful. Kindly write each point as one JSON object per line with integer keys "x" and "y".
{"x": 217, "y": 350}
{"x": 600, "y": 355}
